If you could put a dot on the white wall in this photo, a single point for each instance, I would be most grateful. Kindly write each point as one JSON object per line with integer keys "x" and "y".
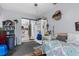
{"x": 1, "y": 19}
{"x": 70, "y": 14}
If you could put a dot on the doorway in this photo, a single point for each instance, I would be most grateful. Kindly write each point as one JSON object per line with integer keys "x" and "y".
{"x": 25, "y": 30}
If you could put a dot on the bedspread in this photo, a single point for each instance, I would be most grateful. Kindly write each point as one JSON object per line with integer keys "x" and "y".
{"x": 59, "y": 48}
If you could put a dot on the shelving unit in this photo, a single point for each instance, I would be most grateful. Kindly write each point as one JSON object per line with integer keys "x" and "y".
{"x": 9, "y": 27}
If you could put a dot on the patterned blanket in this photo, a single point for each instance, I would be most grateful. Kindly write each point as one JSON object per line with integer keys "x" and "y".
{"x": 59, "y": 48}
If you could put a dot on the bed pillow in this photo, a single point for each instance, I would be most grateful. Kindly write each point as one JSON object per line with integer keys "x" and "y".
{"x": 62, "y": 37}
{"x": 73, "y": 38}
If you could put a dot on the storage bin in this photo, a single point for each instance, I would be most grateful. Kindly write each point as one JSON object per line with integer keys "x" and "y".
{"x": 3, "y": 50}
{"x": 11, "y": 42}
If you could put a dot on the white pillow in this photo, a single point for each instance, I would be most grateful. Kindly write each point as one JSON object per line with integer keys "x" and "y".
{"x": 73, "y": 38}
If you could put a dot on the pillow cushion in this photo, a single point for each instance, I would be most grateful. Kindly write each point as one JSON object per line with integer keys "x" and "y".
{"x": 62, "y": 37}
{"x": 73, "y": 38}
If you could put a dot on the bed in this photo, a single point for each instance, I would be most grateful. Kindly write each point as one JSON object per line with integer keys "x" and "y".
{"x": 60, "y": 48}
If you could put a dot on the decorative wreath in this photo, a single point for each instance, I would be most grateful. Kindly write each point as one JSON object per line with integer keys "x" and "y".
{"x": 57, "y": 15}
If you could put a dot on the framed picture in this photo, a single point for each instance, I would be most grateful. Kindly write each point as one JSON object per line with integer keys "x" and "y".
{"x": 77, "y": 26}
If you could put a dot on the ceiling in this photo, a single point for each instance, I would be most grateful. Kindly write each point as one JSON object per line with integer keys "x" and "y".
{"x": 28, "y": 8}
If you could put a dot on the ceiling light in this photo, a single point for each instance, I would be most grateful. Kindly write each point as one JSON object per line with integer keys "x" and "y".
{"x": 35, "y": 4}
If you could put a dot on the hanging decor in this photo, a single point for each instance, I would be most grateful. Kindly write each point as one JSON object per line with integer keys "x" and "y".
{"x": 57, "y": 15}
{"x": 9, "y": 28}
